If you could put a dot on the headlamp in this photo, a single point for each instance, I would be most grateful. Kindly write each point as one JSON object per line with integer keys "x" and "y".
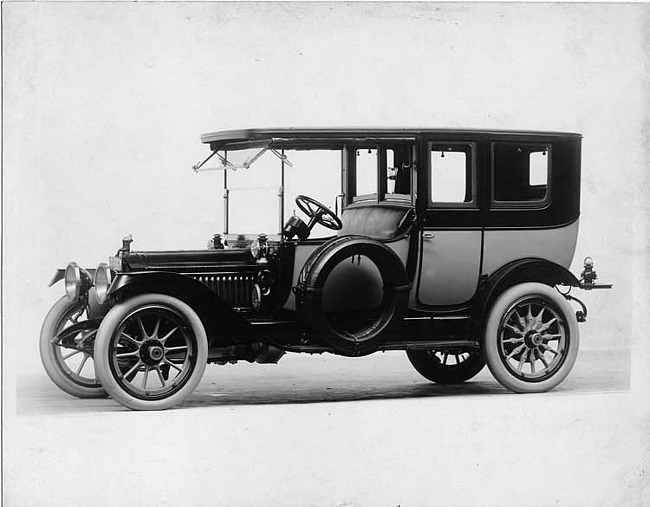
{"x": 77, "y": 281}
{"x": 103, "y": 280}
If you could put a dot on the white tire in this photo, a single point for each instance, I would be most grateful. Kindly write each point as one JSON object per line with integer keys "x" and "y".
{"x": 151, "y": 352}
{"x": 71, "y": 369}
{"x": 531, "y": 338}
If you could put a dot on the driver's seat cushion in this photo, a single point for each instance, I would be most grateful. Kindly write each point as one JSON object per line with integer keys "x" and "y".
{"x": 377, "y": 222}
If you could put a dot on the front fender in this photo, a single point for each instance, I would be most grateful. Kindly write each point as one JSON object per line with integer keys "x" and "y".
{"x": 67, "y": 335}
{"x": 58, "y": 275}
{"x": 223, "y": 324}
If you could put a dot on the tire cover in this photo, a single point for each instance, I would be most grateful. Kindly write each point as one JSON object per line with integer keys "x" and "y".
{"x": 313, "y": 277}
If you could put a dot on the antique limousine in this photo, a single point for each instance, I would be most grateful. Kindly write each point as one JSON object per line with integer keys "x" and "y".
{"x": 452, "y": 245}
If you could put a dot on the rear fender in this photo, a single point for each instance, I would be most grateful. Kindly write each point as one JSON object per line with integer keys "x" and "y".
{"x": 223, "y": 325}
{"x": 521, "y": 271}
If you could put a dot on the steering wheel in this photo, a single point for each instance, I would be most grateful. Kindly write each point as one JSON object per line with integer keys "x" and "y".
{"x": 318, "y": 213}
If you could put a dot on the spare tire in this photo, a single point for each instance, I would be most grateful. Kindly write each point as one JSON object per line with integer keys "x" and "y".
{"x": 357, "y": 339}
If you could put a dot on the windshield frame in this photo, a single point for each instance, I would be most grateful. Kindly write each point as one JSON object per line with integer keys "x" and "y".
{"x": 347, "y": 168}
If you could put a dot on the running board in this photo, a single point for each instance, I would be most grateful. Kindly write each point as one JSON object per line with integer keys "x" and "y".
{"x": 437, "y": 317}
{"x": 430, "y": 345}
{"x": 420, "y": 318}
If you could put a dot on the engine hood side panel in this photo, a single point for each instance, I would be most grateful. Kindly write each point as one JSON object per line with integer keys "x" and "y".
{"x": 223, "y": 324}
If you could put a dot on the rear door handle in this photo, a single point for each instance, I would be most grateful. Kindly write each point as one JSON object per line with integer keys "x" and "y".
{"x": 428, "y": 236}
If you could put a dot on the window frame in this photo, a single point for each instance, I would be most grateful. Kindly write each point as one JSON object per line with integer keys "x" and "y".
{"x": 470, "y": 164}
{"x": 537, "y": 204}
{"x": 350, "y": 172}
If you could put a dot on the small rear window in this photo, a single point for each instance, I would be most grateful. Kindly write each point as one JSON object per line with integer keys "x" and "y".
{"x": 520, "y": 173}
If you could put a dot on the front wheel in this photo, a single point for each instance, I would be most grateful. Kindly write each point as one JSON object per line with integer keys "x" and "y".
{"x": 531, "y": 338}
{"x": 151, "y": 352}
{"x": 69, "y": 362}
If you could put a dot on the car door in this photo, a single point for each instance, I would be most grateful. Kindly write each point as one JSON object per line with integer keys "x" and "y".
{"x": 451, "y": 234}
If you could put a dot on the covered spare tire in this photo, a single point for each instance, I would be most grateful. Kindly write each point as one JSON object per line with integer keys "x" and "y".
{"x": 351, "y": 292}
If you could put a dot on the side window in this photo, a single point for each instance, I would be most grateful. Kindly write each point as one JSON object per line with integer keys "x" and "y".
{"x": 366, "y": 171}
{"x": 452, "y": 175}
{"x": 388, "y": 166}
{"x": 520, "y": 173}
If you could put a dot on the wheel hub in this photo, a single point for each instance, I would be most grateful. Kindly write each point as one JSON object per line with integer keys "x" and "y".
{"x": 533, "y": 339}
{"x": 152, "y": 352}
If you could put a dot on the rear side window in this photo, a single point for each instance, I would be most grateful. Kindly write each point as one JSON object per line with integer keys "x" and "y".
{"x": 520, "y": 173}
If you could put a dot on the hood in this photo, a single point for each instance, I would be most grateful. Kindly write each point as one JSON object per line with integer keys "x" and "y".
{"x": 180, "y": 260}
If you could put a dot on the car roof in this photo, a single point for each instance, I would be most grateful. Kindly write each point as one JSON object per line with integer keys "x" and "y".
{"x": 242, "y": 138}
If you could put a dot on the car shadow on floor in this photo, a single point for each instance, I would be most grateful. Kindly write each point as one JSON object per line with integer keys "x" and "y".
{"x": 593, "y": 372}
{"x": 323, "y": 394}
{"x": 303, "y": 395}
{"x": 331, "y": 381}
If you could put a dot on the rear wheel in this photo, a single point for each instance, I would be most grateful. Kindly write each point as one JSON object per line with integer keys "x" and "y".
{"x": 531, "y": 338}
{"x": 151, "y": 352}
{"x": 69, "y": 362}
{"x": 447, "y": 367}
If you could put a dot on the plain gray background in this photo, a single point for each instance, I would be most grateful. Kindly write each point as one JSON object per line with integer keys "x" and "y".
{"x": 103, "y": 107}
